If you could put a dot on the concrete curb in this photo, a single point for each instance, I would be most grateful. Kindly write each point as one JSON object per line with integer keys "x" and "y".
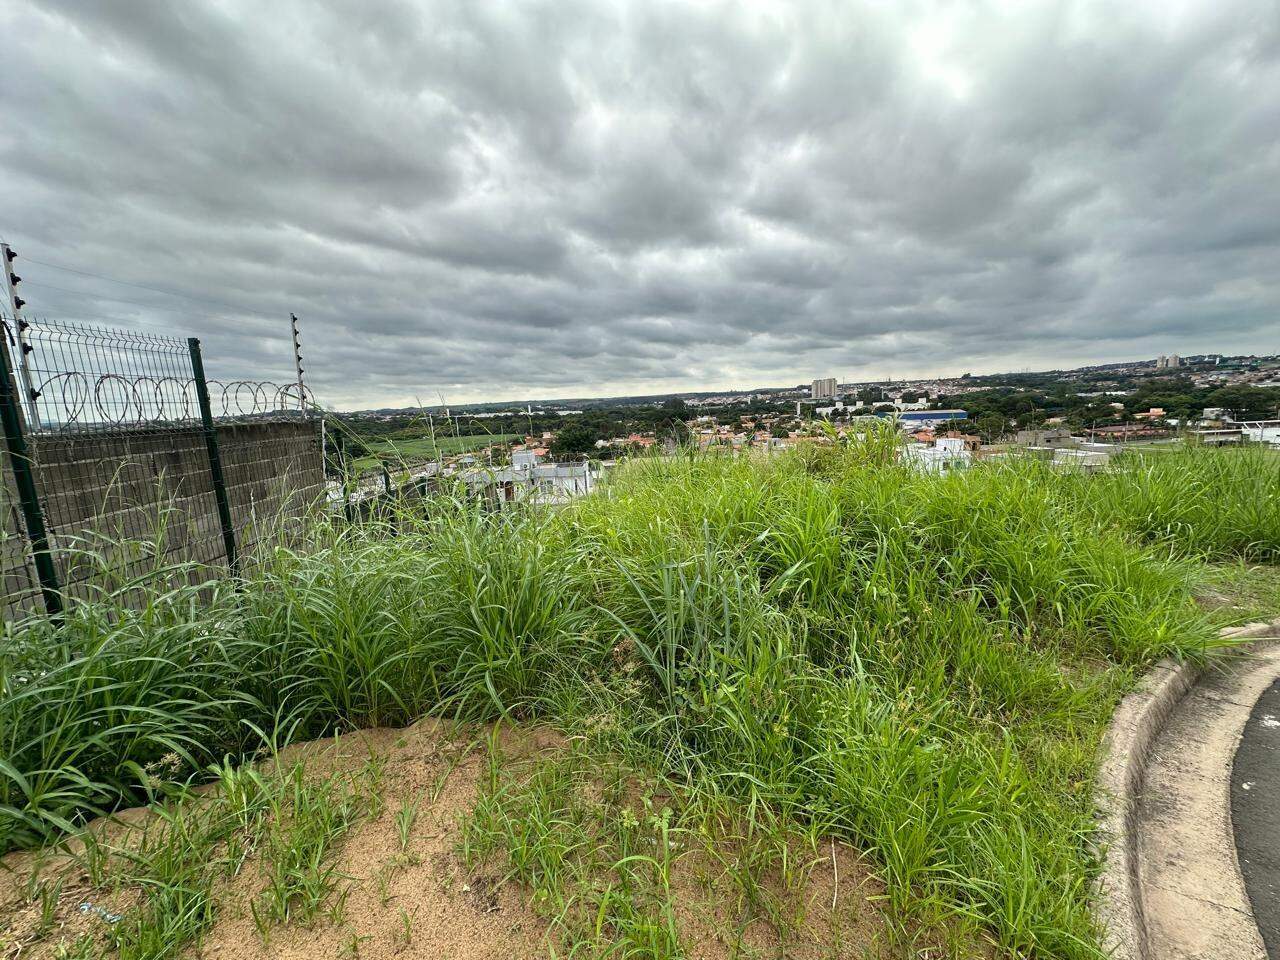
{"x": 1126, "y": 747}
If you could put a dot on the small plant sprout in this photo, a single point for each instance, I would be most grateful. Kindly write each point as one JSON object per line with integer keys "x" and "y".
{"x": 48, "y": 895}
{"x": 406, "y": 817}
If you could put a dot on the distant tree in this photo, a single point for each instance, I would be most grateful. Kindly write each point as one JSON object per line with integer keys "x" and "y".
{"x": 575, "y": 440}
{"x": 674, "y": 428}
{"x": 343, "y": 445}
{"x": 991, "y": 426}
{"x": 676, "y": 407}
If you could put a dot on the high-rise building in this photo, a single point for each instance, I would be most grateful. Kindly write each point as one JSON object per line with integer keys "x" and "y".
{"x": 824, "y": 389}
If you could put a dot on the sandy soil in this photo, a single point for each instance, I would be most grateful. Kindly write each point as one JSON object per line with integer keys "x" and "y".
{"x": 429, "y": 904}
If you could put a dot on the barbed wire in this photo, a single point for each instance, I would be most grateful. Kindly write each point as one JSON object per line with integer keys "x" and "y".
{"x": 73, "y": 399}
{"x": 247, "y": 398}
{"x": 78, "y": 377}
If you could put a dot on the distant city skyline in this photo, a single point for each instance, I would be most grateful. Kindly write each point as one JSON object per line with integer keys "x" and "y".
{"x": 519, "y": 402}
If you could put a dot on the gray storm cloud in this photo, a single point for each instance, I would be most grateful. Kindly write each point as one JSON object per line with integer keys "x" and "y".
{"x": 565, "y": 198}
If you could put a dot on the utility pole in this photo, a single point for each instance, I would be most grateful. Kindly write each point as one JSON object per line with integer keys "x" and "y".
{"x": 20, "y": 362}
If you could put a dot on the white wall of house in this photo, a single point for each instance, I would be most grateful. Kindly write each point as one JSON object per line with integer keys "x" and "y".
{"x": 948, "y": 454}
{"x": 1262, "y": 431}
{"x": 535, "y": 482}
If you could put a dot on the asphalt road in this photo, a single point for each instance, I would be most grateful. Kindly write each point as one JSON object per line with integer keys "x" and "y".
{"x": 1255, "y": 814}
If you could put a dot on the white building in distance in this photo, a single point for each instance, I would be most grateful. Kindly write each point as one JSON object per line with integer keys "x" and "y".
{"x": 824, "y": 389}
{"x": 530, "y": 479}
{"x": 947, "y": 454}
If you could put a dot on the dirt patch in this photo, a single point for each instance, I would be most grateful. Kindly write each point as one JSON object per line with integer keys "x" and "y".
{"x": 404, "y": 891}
{"x": 830, "y": 915}
{"x": 418, "y": 902}
{"x": 1239, "y": 592}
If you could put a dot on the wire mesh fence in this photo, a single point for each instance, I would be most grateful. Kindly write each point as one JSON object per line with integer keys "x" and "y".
{"x": 139, "y": 463}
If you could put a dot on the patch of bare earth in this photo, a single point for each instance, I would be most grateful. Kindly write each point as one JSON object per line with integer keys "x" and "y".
{"x": 422, "y": 900}
{"x": 831, "y": 915}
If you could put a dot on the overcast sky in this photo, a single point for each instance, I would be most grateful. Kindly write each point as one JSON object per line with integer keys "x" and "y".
{"x": 561, "y": 198}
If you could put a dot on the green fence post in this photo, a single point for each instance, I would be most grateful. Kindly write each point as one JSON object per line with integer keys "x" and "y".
{"x": 24, "y": 477}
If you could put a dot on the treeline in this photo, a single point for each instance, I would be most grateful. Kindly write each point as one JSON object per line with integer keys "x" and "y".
{"x": 575, "y": 434}
{"x": 995, "y": 412}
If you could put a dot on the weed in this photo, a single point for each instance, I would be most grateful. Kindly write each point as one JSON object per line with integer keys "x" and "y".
{"x": 406, "y": 817}
{"x": 82, "y": 948}
{"x": 351, "y": 944}
{"x": 310, "y": 818}
{"x": 48, "y": 896}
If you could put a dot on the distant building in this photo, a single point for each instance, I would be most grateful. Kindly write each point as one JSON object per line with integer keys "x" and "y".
{"x": 1126, "y": 432}
{"x": 824, "y": 389}
{"x": 1216, "y": 436}
{"x": 969, "y": 441}
{"x": 1169, "y": 362}
{"x": 929, "y": 418}
{"x": 1088, "y": 460}
{"x": 529, "y": 479}
{"x": 839, "y": 407}
{"x": 1261, "y": 431}
{"x": 523, "y": 459}
{"x": 1045, "y": 438}
{"x": 946, "y": 454}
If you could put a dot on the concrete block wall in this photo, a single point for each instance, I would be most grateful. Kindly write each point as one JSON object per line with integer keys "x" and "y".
{"x": 274, "y": 473}
{"x": 152, "y": 489}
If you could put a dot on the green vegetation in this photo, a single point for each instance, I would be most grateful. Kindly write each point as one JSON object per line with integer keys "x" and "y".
{"x": 622, "y": 863}
{"x": 416, "y": 449}
{"x": 1194, "y": 505}
{"x": 922, "y": 666}
{"x": 193, "y": 843}
{"x": 998, "y": 409}
{"x": 1240, "y": 592}
{"x": 576, "y": 433}
{"x": 558, "y": 843}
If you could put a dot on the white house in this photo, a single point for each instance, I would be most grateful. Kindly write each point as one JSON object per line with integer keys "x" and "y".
{"x": 529, "y": 479}
{"x": 946, "y": 454}
{"x": 839, "y": 406}
{"x": 1088, "y": 460}
{"x": 1261, "y": 431}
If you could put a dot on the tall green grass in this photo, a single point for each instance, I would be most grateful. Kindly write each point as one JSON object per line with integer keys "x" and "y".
{"x": 924, "y": 663}
{"x": 1196, "y": 502}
